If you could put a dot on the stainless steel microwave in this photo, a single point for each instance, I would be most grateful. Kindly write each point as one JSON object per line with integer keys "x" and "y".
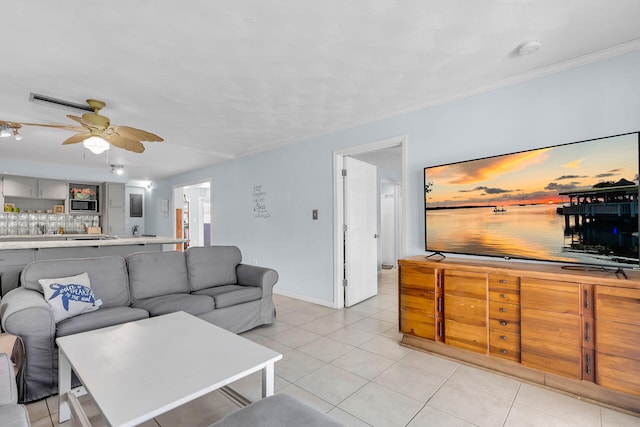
{"x": 83, "y": 205}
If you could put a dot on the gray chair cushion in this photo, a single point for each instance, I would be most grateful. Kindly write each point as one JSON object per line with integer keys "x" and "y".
{"x": 108, "y": 276}
{"x": 8, "y": 388}
{"x": 14, "y": 416}
{"x": 158, "y": 273}
{"x": 192, "y": 304}
{"x": 228, "y": 295}
{"x": 212, "y": 266}
{"x": 280, "y": 410}
{"x": 100, "y": 318}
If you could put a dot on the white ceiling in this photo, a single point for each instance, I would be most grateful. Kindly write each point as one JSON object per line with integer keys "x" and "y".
{"x": 221, "y": 79}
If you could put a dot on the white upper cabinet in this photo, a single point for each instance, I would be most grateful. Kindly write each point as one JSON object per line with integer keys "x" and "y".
{"x": 28, "y": 187}
{"x": 19, "y": 186}
{"x": 52, "y": 189}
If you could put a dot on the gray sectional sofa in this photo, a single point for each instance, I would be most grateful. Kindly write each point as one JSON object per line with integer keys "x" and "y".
{"x": 209, "y": 282}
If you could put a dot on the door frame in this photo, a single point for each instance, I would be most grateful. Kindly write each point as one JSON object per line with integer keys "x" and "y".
{"x": 175, "y": 202}
{"x": 338, "y": 206}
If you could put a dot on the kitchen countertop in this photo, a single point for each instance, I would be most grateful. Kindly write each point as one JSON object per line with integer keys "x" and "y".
{"x": 80, "y": 240}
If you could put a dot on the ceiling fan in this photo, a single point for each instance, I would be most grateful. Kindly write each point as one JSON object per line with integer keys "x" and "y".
{"x": 96, "y": 133}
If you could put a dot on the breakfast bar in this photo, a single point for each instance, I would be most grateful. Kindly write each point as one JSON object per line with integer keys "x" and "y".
{"x": 18, "y": 251}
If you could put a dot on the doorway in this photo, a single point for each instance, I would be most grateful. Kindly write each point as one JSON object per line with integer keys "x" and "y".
{"x": 388, "y": 158}
{"x": 192, "y": 213}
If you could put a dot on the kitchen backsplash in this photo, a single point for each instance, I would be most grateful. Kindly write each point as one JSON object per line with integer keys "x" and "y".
{"x": 24, "y": 223}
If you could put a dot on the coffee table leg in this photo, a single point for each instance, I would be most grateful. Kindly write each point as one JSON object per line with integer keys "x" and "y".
{"x": 64, "y": 386}
{"x": 267, "y": 380}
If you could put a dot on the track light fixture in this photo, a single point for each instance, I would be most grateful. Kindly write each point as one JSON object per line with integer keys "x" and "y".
{"x": 117, "y": 169}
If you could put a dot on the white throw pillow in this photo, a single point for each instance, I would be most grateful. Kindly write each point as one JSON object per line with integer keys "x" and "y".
{"x": 69, "y": 296}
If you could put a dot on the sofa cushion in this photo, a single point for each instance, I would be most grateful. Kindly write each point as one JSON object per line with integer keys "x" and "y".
{"x": 212, "y": 266}
{"x": 156, "y": 274}
{"x": 228, "y": 295}
{"x": 108, "y": 275}
{"x": 99, "y": 319}
{"x": 192, "y": 304}
{"x": 69, "y": 296}
{"x": 8, "y": 388}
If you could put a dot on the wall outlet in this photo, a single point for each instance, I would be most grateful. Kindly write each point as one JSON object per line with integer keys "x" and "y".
{"x": 314, "y": 214}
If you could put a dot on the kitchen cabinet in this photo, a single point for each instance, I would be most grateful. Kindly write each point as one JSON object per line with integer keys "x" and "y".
{"x": 113, "y": 218}
{"x": 568, "y": 329}
{"x": 52, "y": 189}
{"x": 28, "y": 187}
{"x": 19, "y": 186}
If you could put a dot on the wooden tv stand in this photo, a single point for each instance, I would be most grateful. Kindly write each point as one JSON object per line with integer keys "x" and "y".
{"x": 569, "y": 329}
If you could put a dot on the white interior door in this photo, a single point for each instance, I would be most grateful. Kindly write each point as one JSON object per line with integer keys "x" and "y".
{"x": 360, "y": 219}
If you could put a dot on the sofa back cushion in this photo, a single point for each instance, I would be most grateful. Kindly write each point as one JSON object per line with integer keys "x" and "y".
{"x": 108, "y": 276}
{"x": 212, "y": 266}
{"x": 157, "y": 273}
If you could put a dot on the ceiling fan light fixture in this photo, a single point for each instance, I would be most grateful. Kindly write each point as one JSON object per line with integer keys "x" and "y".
{"x": 95, "y": 144}
{"x": 16, "y": 135}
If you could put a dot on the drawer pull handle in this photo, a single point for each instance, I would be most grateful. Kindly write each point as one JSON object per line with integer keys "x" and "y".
{"x": 503, "y": 295}
{"x": 588, "y": 363}
{"x": 586, "y": 298}
{"x": 503, "y": 338}
{"x": 503, "y": 310}
{"x": 503, "y": 323}
{"x": 503, "y": 282}
{"x": 587, "y": 335}
{"x": 503, "y": 351}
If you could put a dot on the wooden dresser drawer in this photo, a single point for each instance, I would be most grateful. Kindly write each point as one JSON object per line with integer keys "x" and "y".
{"x": 618, "y": 338}
{"x": 618, "y": 373}
{"x": 562, "y": 329}
{"x": 501, "y": 310}
{"x": 417, "y": 324}
{"x": 415, "y": 276}
{"x": 465, "y": 310}
{"x": 622, "y": 305}
{"x": 463, "y": 335}
{"x": 418, "y": 300}
{"x": 562, "y": 361}
{"x": 498, "y": 283}
{"x": 505, "y": 295}
{"x": 465, "y": 284}
{"x": 504, "y": 325}
{"x": 504, "y": 344}
{"x": 552, "y": 296}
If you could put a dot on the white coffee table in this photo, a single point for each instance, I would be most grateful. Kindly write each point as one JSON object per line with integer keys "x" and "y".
{"x": 138, "y": 370}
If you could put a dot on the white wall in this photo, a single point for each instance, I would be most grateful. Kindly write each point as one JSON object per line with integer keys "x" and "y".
{"x": 591, "y": 101}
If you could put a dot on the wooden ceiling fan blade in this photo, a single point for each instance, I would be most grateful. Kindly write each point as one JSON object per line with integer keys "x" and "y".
{"x": 79, "y": 137}
{"x": 137, "y": 134}
{"x": 57, "y": 126}
{"x": 124, "y": 143}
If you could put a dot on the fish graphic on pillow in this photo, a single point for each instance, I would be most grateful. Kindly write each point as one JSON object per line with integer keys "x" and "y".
{"x": 72, "y": 292}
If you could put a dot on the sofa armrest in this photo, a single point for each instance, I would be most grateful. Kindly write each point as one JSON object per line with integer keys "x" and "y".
{"x": 252, "y": 275}
{"x": 25, "y": 312}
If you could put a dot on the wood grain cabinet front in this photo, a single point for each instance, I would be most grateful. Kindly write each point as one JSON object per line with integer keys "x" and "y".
{"x": 551, "y": 326}
{"x": 617, "y": 312}
{"x": 418, "y": 300}
{"x": 465, "y": 310}
{"x": 504, "y": 317}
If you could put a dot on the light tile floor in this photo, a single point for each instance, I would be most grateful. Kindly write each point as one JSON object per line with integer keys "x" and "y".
{"x": 348, "y": 363}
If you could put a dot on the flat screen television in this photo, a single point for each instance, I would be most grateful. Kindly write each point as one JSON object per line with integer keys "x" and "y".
{"x": 574, "y": 203}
